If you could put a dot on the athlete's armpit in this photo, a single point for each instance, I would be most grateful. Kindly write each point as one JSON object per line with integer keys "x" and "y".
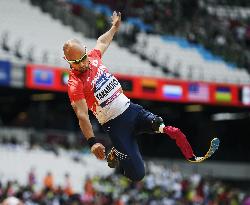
{"x": 75, "y": 89}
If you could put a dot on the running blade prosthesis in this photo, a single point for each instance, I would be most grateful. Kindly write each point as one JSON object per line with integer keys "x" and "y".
{"x": 214, "y": 145}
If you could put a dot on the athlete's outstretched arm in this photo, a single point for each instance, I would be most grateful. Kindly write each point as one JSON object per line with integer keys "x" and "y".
{"x": 104, "y": 40}
{"x": 81, "y": 109}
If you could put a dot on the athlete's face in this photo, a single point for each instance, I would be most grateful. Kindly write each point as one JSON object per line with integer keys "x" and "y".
{"x": 77, "y": 58}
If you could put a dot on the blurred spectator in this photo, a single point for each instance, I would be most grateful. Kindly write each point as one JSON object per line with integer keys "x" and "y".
{"x": 89, "y": 192}
{"x": 127, "y": 35}
{"x": 247, "y": 35}
{"x": 5, "y": 41}
{"x": 101, "y": 24}
{"x": 9, "y": 190}
{"x": 68, "y": 186}
{"x": 45, "y": 57}
{"x": 12, "y": 201}
{"x": 32, "y": 177}
{"x": 48, "y": 181}
{"x": 17, "y": 49}
{"x": 30, "y": 54}
{"x": 76, "y": 9}
{"x": 246, "y": 200}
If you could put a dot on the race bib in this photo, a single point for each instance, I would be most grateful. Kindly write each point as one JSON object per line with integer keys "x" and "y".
{"x": 107, "y": 88}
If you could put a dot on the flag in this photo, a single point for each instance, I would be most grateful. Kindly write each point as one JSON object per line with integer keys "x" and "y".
{"x": 64, "y": 77}
{"x": 127, "y": 85}
{"x": 223, "y": 94}
{"x": 149, "y": 85}
{"x": 5, "y": 68}
{"x": 198, "y": 92}
{"x": 43, "y": 77}
{"x": 245, "y": 97}
{"x": 173, "y": 91}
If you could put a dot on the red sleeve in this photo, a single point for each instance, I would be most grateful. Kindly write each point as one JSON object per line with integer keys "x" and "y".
{"x": 95, "y": 53}
{"x": 75, "y": 89}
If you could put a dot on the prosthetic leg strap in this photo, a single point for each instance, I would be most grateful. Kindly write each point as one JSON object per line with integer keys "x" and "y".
{"x": 181, "y": 141}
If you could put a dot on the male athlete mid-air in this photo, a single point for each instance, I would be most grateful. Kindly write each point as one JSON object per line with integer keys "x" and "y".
{"x": 92, "y": 87}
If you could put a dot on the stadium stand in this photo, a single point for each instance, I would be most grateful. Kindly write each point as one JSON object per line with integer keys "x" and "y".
{"x": 47, "y": 37}
{"x": 185, "y": 61}
{"x": 176, "y": 55}
{"x": 167, "y": 186}
{"x": 17, "y": 161}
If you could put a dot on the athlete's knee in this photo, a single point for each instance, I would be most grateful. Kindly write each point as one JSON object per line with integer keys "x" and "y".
{"x": 156, "y": 123}
{"x": 135, "y": 171}
{"x": 138, "y": 175}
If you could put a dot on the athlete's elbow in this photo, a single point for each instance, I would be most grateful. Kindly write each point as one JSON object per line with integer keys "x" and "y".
{"x": 82, "y": 117}
{"x": 101, "y": 40}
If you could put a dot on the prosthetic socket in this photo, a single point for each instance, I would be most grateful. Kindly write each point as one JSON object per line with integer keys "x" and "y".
{"x": 175, "y": 134}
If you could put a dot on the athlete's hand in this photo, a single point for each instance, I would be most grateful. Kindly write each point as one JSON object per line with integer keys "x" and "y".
{"x": 98, "y": 150}
{"x": 116, "y": 20}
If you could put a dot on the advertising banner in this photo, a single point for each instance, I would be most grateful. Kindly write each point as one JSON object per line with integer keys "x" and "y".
{"x": 5, "y": 67}
{"x": 17, "y": 75}
{"x": 244, "y": 95}
{"x": 46, "y": 78}
{"x": 157, "y": 89}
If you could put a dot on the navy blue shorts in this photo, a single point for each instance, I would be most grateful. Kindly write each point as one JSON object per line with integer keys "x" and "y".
{"x": 122, "y": 131}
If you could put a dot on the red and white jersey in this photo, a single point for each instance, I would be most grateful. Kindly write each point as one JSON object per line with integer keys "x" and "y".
{"x": 101, "y": 90}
